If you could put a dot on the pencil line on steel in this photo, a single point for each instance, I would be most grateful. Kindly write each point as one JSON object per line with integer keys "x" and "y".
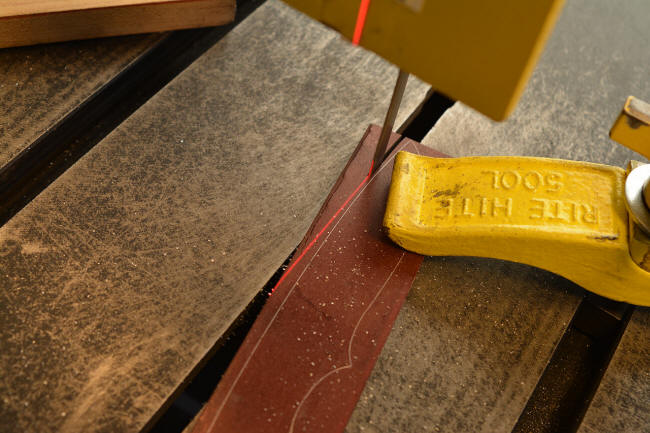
{"x": 350, "y": 344}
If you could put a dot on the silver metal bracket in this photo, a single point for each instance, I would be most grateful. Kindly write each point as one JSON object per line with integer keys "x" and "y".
{"x": 636, "y": 185}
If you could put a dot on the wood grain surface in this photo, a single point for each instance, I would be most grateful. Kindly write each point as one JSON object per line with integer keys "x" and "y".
{"x": 9, "y": 8}
{"x": 622, "y": 401}
{"x": 40, "y": 85}
{"x": 122, "y": 274}
{"x": 37, "y": 22}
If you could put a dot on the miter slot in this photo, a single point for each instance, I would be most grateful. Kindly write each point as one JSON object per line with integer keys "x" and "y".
{"x": 57, "y": 149}
{"x": 565, "y": 390}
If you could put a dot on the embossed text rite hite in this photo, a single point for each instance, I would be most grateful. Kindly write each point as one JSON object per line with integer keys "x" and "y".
{"x": 587, "y": 222}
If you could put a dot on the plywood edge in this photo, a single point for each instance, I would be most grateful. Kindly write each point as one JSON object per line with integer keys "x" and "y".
{"x": 114, "y": 21}
{"x": 11, "y": 8}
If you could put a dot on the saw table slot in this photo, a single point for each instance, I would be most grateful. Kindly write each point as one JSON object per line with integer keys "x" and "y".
{"x": 46, "y": 136}
{"x": 565, "y": 390}
{"x": 621, "y": 401}
{"x": 425, "y": 117}
{"x": 40, "y": 86}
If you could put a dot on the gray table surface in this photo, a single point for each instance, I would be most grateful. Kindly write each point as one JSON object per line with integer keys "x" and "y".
{"x": 467, "y": 349}
{"x": 121, "y": 275}
{"x": 40, "y": 85}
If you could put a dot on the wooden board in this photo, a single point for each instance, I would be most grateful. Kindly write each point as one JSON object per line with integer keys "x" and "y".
{"x": 622, "y": 401}
{"x": 40, "y": 85}
{"x": 123, "y": 274}
{"x": 42, "y": 21}
{"x": 10, "y": 8}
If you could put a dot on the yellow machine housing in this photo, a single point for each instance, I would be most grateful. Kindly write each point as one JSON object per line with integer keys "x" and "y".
{"x": 478, "y": 52}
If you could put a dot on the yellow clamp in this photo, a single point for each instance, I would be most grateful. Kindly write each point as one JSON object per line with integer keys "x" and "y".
{"x": 563, "y": 216}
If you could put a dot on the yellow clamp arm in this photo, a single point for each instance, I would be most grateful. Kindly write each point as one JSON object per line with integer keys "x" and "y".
{"x": 632, "y": 127}
{"x": 563, "y": 216}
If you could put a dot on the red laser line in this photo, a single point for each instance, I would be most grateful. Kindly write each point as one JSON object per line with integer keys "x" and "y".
{"x": 313, "y": 241}
{"x": 361, "y": 21}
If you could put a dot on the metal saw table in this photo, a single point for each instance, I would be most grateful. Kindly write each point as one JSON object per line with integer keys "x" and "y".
{"x": 153, "y": 185}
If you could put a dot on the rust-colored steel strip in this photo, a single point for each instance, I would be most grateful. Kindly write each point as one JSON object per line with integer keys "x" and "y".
{"x": 306, "y": 359}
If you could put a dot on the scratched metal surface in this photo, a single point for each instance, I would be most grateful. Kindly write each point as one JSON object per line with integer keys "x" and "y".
{"x": 475, "y": 334}
{"x": 122, "y": 274}
{"x": 40, "y": 85}
{"x": 622, "y": 401}
{"x": 467, "y": 349}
